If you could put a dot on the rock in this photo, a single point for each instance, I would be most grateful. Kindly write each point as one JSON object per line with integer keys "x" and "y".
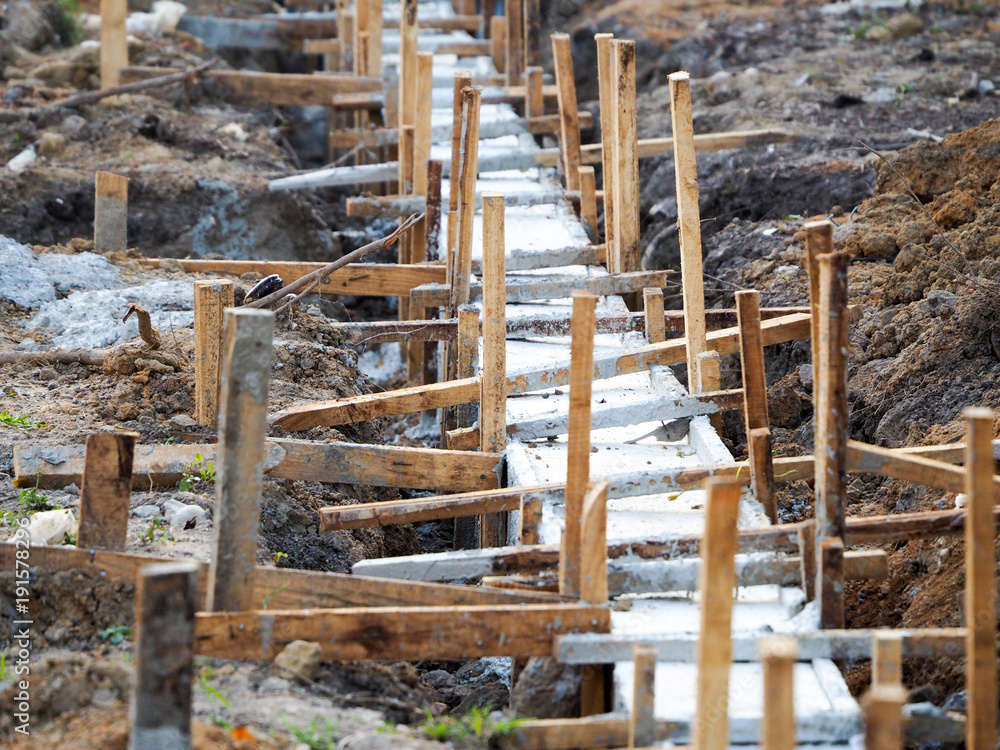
{"x": 51, "y": 526}
{"x": 183, "y": 421}
{"x": 307, "y": 363}
{"x": 879, "y": 245}
{"x": 802, "y": 80}
{"x": 52, "y": 144}
{"x": 883, "y": 95}
{"x": 75, "y": 127}
{"x": 547, "y": 689}
{"x": 957, "y": 702}
{"x": 145, "y": 511}
{"x": 235, "y": 131}
{"x": 299, "y": 658}
{"x": 878, "y": 34}
{"x": 25, "y": 25}
{"x": 904, "y": 25}
{"x": 72, "y": 490}
{"x": 181, "y": 514}
{"x": 21, "y": 162}
{"x": 438, "y": 678}
{"x": 274, "y": 685}
{"x": 374, "y": 740}
{"x": 961, "y": 500}
{"x": 986, "y": 86}
{"x": 48, "y": 373}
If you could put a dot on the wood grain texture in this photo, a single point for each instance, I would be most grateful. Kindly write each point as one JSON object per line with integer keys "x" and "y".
{"x": 110, "y": 213}
{"x": 777, "y": 657}
{"x": 604, "y": 83}
{"x": 114, "y": 43}
{"x": 105, "y": 490}
{"x": 594, "y": 544}
{"x": 642, "y": 722}
{"x": 569, "y": 119}
{"x": 626, "y": 162}
{"x": 211, "y": 298}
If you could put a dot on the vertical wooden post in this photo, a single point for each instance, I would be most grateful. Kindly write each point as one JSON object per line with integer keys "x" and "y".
{"x": 688, "y": 223}
{"x": 569, "y": 117}
{"x": 642, "y": 723}
{"x": 594, "y": 545}
{"x": 408, "y": 28}
{"x": 755, "y": 401}
{"x": 588, "y": 200}
{"x": 830, "y": 380}
{"x": 110, "y": 213}
{"x": 531, "y": 517}
{"x": 808, "y": 555}
{"x": 114, "y": 43}
{"x": 246, "y": 375}
{"x": 604, "y": 82}
{"x": 422, "y": 145}
{"x": 469, "y": 169}
{"x": 346, "y": 24}
{"x": 777, "y": 655}
{"x": 493, "y": 400}
{"x": 488, "y": 14}
{"x": 374, "y": 38}
{"x": 105, "y": 490}
{"x": 887, "y": 658}
{"x": 656, "y": 327}
{"x": 515, "y": 43}
{"x": 626, "y": 164}
{"x": 160, "y": 708}
{"x": 361, "y": 16}
{"x": 406, "y": 142}
{"x": 716, "y": 580}
{"x": 883, "y": 706}
{"x": 211, "y": 298}
{"x": 463, "y": 79}
{"x": 498, "y": 42}
{"x": 532, "y": 14}
{"x": 468, "y": 355}
{"x": 432, "y": 219}
{"x": 980, "y": 582}
{"x": 534, "y": 94}
{"x": 581, "y": 375}
{"x": 819, "y": 241}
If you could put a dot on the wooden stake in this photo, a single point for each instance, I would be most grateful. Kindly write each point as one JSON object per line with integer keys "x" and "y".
{"x": 594, "y": 545}
{"x": 408, "y": 63}
{"x": 778, "y": 655}
{"x": 515, "y": 43}
{"x": 578, "y": 466}
{"x": 569, "y": 118}
{"x": 105, "y": 490}
{"x": 626, "y": 164}
{"x": 830, "y": 581}
{"x": 374, "y": 47}
{"x": 246, "y": 374}
{"x": 717, "y": 577}
{"x": 534, "y": 98}
{"x": 432, "y": 220}
{"x": 980, "y": 582}
{"x": 755, "y": 401}
{"x": 498, "y": 42}
{"x": 165, "y": 603}
{"x": 689, "y": 221}
{"x": 656, "y": 329}
{"x": 347, "y": 28}
{"x": 808, "y": 557}
{"x": 830, "y": 380}
{"x": 887, "y": 658}
{"x": 493, "y": 403}
{"x": 608, "y": 156}
{"x": 468, "y": 170}
{"x": 588, "y": 200}
{"x": 463, "y": 80}
{"x": 406, "y": 138}
{"x": 532, "y": 14}
{"x": 110, "y": 213}
{"x": 468, "y": 356}
{"x": 211, "y": 299}
{"x": 114, "y": 44}
{"x": 642, "y": 723}
{"x": 819, "y": 241}
{"x": 422, "y": 134}
{"x": 531, "y": 516}
{"x": 884, "y": 728}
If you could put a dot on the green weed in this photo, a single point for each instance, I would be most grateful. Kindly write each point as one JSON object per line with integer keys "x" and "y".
{"x": 477, "y": 729}
{"x": 19, "y": 420}
{"x": 321, "y": 734}
{"x": 115, "y": 634}
{"x": 198, "y": 473}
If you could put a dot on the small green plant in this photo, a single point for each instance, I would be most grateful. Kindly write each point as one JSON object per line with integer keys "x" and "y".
{"x": 476, "y": 729}
{"x": 321, "y": 734}
{"x": 206, "y": 675}
{"x": 70, "y": 11}
{"x": 200, "y": 472}
{"x": 267, "y": 599}
{"x": 116, "y": 634}
{"x": 3, "y": 666}
{"x": 156, "y": 533}
{"x": 19, "y": 420}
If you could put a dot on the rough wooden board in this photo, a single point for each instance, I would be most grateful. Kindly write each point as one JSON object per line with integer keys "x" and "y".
{"x": 593, "y": 152}
{"x": 412, "y": 633}
{"x": 356, "y": 279}
{"x": 243, "y": 87}
{"x": 280, "y": 587}
{"x": 418, "y": 509}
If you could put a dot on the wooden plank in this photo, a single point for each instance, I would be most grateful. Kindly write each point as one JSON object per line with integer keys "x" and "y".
{"x": 626, "y": 159}
{"x": 592, "y": 153}
{"x": 688, "y": 223}
{"x": 249, "y": 88}
{"x": 290, "y": 33}
{"x": 468, "y": 172}
{"x": 830, "y": 576}
{"x": 110, "y": 212}
{"x": 717, "y": 578}
{"x": 808, "y": 557}
{"x": 831, "y": 430}
{"x": 160, "y": 706}
{"x": 884, "y": 725}
{"x": 534, "y": 97}
{"x": 762, "y": 470}
{"x": 211, "y": 298}
{"x": 593, "y": 545}
{"x": 114, "y": 43}
{"x": 515, "y": 42}
{"x": 578, "y": 449}
{"x": 819, "y": 241}
{"x": 603, "y": 731}
{"x": 415, "y": 510}
{"x": 467, "y": 356}
{"x": 411, "y": 633}
{"x": 354, "y": 279}
{"x": 530, "y": 518}
{"x": 246, "y": 375}
{"x": 604, "y": 82}
{"x": 887, "y": 658}
{"x": 980, "y": 582}
{"x": 654, "y": 318}
{"x": 374, "y": 29}
{"x": 588, "y": 200}
{"x": 498, "y": 42}
{"x": 642, "y": 722}
{"x": 778, "y": 656}
{"x": 408, "y": 27}
{"x": 493, "y": 401}
{"x": 864, "y": 458}
{"x": 569, "y": 131}
{"x": 105, "y": 490}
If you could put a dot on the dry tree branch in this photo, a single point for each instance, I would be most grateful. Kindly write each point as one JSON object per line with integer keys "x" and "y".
{"x": 310, "y": 281}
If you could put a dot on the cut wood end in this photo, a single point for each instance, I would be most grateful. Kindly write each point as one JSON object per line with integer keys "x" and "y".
{"x": 818, "y": 226}
{"x": 681, "y": 76}
{"x": 778, "y": 649}
{"x": 110, "y": 185}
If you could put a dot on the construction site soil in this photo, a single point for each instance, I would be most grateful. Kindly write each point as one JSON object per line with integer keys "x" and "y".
{"x": 897, "y": 141}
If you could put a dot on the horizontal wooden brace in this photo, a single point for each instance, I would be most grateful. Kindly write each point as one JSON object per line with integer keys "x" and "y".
{"x": 340, "y": 463}
{"x": 279, "y": 587}
{"x": 244, "y": 87}
{"x": 355, "y": 279}
{"x": 411, "y": 633}
{"x": 648, "y": 147}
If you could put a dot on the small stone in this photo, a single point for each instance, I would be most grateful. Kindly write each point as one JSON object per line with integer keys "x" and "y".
{"x": 986, "y": 86}
{"x": 180, "y": 514}
{"x": 74, "y": 127}
{"x": 957, "y": 702}
{"x": 47, "y": 373}
{"x": 52, "y": 144}
{"x": 307, "y": 363}
{"x": 904, "y": 25}
{"x": 145, "y": 511}
{"x": 802, "y": 80}
{"x": 183, "y": 421}
{"x": 71, "y": 490}
{"x": 878, "y": 34}
{"x": 299, "y": 658}
{"x": 883, "y": 95}
{"x": 438, "y": 678}
{"x": 274, "y": 685}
